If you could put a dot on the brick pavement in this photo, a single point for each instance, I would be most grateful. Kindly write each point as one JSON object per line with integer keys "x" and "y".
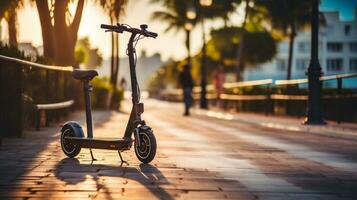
{"x": 198, "y": 158}
{"x": 34, "y": 167}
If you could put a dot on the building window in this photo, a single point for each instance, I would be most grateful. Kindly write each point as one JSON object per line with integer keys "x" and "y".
{"x": 329, "y": 29}
{"x": 303, "y": 47}
{"x": 353, "y": 64}
{"x": 334, "y": 47}
{"x": 281, "y": 64}
{"x": 353, "y": 47}
{"x": 347, "y": 30}
{"x": 334, "y": 64}
{"x": 301, "y": 64}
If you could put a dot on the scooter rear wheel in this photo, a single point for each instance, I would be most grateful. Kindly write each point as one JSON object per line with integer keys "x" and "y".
{"x": 69, "y": 149}
{"x": 146, "y": 151}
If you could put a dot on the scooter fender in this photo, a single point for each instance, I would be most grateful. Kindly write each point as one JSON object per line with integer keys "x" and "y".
{"x": 144, "y": 127}
{"x": 78, "y": 131}
{"x": 137, "y": 132}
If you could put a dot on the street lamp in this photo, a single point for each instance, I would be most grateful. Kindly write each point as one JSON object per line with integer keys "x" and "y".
{"x": 191, "y": 13}
{"x": 188, "y": 26}
{"x": 206, "y": 3}
{"x": 203, "y": 100}
{"x": 314, "y": 108}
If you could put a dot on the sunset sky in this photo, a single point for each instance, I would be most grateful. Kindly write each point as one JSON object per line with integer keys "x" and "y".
{"x": 170, "y": 45}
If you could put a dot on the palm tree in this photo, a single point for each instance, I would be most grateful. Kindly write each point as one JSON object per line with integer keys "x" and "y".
{"x": 288, "y": 16}
{"x": 59, "y": 29}
{"x": 240, "y": 58}
{"x": 254, "y": 16}
{"x": 115, "y": 8}
{"x": 218, "y": 10}
{"x": 8, "y": 10}
{"x": 176, "y": 18}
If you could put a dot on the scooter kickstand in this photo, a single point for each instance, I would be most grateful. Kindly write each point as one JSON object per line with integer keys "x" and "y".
{"x": 121, "y": 158}
{"x": 91, "y": 154}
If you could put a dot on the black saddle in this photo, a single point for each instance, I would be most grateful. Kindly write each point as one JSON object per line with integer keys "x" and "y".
{"x": 84, "y": 75}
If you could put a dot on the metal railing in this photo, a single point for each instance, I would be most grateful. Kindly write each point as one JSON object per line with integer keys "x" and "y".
{"x": 29, "y": 89}
{"x": 269, "y": 93}
{"x": 339, "y": 95}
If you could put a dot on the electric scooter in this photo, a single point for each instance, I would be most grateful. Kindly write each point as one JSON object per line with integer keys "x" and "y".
{"x": 72, "y": 136}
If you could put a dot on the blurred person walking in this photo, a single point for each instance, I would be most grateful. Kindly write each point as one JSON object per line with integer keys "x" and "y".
{"x": 187, "y": 85}
{"x": 122, "y": 84}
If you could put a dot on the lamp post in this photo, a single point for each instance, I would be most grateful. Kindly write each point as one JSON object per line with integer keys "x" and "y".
{"x": 188, "y": 27}
{"x": 203, "y": 100}
{"x": 314, "y": 108}
{"x": 190, "y": 15}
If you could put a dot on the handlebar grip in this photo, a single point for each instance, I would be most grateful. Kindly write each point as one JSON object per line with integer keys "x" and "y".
{"x": 105, "y": 26}
{"x": 154, "y": 35}
{"x": 151, "y": 34}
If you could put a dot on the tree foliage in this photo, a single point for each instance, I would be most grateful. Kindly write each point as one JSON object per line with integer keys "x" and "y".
{"x": 87, "y": 55}
{"x": 115, "y": 8}
{"x": 288, "y": 16}
{"x": 175, "y": 16}
{"x": 223, "y": 46}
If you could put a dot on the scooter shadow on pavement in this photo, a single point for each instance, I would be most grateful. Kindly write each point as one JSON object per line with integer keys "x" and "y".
{"x": 71, "y": 171}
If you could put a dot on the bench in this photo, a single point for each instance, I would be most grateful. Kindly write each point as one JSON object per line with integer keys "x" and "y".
{"x": 52, "y": 106}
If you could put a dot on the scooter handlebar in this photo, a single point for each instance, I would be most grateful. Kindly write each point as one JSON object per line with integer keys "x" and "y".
{"x": 109, "y": 27}
{"x": 119, "y": 28}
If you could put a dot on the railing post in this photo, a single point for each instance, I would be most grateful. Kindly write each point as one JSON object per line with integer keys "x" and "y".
{"x": 1, "y": 103}
{"x": 38, "y": 119}
{"x": 287, "y": 101}
{"x": 11, "y": 99}
{"x": 64, "y": 90}
{"x": 57, "y": 94}
{"x": 47, "y": 96}
{"x": 268, "y": 100}
{"x": 339, "y": 100}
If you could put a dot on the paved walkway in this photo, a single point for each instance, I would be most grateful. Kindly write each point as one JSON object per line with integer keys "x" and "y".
{"x": 199, "y": 157}
{"x": 332, "y": 128}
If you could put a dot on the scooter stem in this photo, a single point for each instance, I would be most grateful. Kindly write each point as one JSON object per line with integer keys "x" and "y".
{"x": 87, "y": 89}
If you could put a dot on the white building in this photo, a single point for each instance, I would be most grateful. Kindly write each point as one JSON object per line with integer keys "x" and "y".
{"x": 337, "y": 52}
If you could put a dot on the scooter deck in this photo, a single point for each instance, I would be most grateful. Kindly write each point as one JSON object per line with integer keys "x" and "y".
{"x": 101, "y": 143}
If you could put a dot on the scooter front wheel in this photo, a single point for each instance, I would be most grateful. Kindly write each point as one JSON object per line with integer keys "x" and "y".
{"x": 146, "y": 151}
{"x": 69, "y": 149}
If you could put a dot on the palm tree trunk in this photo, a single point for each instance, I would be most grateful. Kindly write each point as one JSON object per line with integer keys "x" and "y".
{"x": 12, "y": 29}
{"x": 188, "y": 46}
{"x": 59, "y": 40}
{"x": 47, "y": 29}
{"x": 73, "y": 30}
{"x": 61, "y": 33}
{"x": 291, "y": 49}
{"x": 240, "y": 58}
